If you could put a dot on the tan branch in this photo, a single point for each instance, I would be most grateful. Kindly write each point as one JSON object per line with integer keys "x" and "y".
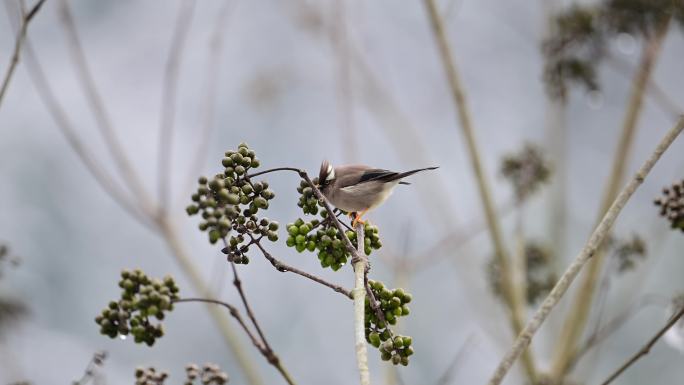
{"x": 589, "y": 250}
{"x": 516, "y": 308}
{"x": 579, "y": 312}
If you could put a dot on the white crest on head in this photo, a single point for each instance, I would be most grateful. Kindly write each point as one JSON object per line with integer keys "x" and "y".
{"x": 331, "y": 173}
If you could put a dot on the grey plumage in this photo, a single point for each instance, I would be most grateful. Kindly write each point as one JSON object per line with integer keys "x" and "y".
{"x": 357, "y": 188}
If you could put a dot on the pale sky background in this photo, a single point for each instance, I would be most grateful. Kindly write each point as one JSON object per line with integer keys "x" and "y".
{"x": 278, "y": 91}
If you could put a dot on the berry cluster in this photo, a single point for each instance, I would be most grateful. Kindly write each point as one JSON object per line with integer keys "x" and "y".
{"x": 393, "y": 304}
{"x": 672, "y": 205}
{"x": 628, "y": 252}
{"x": 582, "y": 34}
{"x": 230, "y": 201}
{"x": 323, "y": 236}
{"x": 210, "y": 374}
{"x": 307, "y": 199}
{"x": 142, "y": 299}
{"x": 149, "y": 376}
{"x": 526, "y": 170}
{"x": 540, "y": 277}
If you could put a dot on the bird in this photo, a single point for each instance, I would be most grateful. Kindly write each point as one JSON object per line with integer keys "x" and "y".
{"x": 359, "y": 188}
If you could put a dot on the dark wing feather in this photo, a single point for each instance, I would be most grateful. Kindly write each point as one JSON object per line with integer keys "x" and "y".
{"x": 388, "y": 176}
{"x": 377, "y": 174}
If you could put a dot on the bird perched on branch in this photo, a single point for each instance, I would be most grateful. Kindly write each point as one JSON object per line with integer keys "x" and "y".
{"x": 358, "y": 188}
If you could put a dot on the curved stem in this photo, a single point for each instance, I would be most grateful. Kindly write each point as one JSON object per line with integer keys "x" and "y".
{"x": 104, "y": 122}
{"x": 233, "y": 312}
{"x": 280, "y": 266}
{"x": 170, "y": 234}
{"x": 589, "y": 249}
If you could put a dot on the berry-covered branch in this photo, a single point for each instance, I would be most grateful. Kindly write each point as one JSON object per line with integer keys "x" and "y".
{"x": 145, "y": 302}
{"x": 231, "y": 205}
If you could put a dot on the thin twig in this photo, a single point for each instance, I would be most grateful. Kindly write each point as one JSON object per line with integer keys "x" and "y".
{"x": 66, "y": 127}
{"x": 517, "y": 309}
{"x": 646, "y": 348}
{"x": 18, "y": 42}
{"x": 453, "y": 241}
{"x": 283, "y": 267}
{"x": 268, "y": 352}
{"x": 340, "y": 40}
{"x": 612, "y": 326}
{"x": 655, "y": 91}
{"x": 168, "y": 110}
{"x": 211, "y": 86}
{"x": 170, "y": 234}
{"x": 233, "y": 312}
{"x": 448, "y": 374}
{"x": 89, "y": 373}
{"x": 576, "y": 321}
{"x": 104, "y": 122}
{"x": 592, "y": 245}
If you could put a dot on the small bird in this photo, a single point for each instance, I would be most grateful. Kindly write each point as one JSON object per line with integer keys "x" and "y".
{"x": 359, "y": 188}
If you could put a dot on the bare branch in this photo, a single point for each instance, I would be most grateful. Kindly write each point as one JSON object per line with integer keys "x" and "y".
{"x": 89, "y": 374}
{"x": 211, "y": 86}
{"x": 448, "y": 374}
{"x": 233, "y": 312}
{"x": 646, "y": 348}
{"x": 280, "y": 266}
{"x": 97, "y": 105}
{"x": 18, "y": 42}
{"x": 613, "y": 325}
{"x": 168, "y": 110}
{"x": 592, "y": 245}
{"x": 267, "y": 351}
{"x": 66, "y": 127}
{"x": 514, "y": 302}
{"x": 579, "y": 311}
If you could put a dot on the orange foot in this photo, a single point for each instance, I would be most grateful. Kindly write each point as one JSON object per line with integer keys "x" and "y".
{"x": 357, "y": 218}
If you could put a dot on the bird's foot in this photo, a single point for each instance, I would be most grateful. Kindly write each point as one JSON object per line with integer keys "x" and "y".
{"x": 357, "y": 218}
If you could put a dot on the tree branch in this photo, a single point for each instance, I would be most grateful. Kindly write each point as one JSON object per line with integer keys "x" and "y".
{"x": 233, "y": 312}
{"x": 168, "y": 110}
{"x": 594, "y": 242}
{"x": 18, "y": 42}
{"x": 579, "y": 311}
{"x": 646, "y": 348}
{"x": 515, "y": 306}
{"x": 267, "y": 351}
{"x": 104, "y": 122}
{"x": 360, "y": 263}
{"x": 283, "y": 267}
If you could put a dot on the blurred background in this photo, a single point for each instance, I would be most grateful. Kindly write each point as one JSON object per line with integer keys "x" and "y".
{"x": 302, "y": 81}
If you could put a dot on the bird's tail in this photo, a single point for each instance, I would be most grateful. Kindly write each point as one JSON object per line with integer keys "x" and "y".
{"x": 408, "y": 173}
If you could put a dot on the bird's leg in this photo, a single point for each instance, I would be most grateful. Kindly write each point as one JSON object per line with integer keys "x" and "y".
{"x": 357, "y": 218}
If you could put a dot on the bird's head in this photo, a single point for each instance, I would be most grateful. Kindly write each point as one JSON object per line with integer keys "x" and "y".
{"x": 326, "y": 175}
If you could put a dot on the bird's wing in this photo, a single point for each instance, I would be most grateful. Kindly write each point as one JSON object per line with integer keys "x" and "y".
{"x": 355, "y": 174}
